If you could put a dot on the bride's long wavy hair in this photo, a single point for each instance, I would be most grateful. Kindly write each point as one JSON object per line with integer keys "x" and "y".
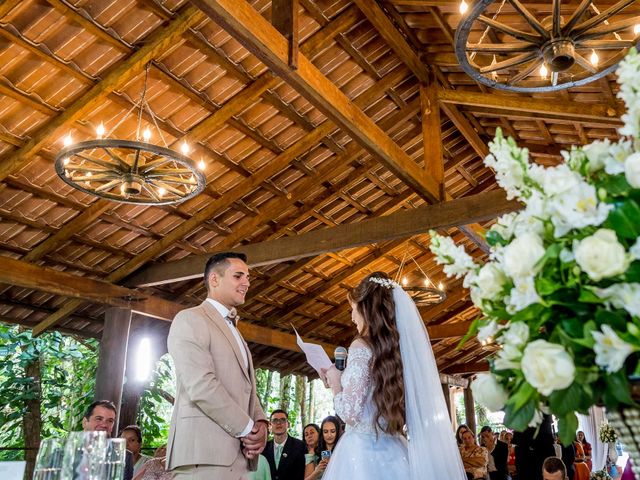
{"x": 376, "y": 305}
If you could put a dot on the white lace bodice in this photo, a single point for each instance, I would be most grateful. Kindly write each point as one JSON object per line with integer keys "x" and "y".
{"x": 354, "y": 404}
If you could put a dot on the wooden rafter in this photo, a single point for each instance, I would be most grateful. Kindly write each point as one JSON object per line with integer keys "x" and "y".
{"x": 259, "y": 37}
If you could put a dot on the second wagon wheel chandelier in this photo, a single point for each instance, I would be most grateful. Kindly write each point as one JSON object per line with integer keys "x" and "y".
{"x": 423, "y": 294}
{"x": 131, "y": 170}
{"x": 510, "y": 45}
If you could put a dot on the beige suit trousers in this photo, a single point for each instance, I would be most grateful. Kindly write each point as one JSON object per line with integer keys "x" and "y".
{"x": 236, "y": 471}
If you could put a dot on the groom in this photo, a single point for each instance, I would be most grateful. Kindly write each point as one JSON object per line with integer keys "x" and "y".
{"x": 218, "y": 428}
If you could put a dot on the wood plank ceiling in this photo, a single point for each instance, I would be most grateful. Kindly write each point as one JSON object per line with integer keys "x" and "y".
{"x": 337, "y": 141}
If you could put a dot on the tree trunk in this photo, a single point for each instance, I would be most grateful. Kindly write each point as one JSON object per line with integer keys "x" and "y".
{"x": 301, "y": 398}
{"x": 311, "y": 404}
{"x": 32, "y": 421}
{"x": 285, "y": 393}
{"x": 267, "y": 391}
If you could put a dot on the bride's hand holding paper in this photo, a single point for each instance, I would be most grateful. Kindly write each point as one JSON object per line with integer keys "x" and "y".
{"x": 331, "y": 377}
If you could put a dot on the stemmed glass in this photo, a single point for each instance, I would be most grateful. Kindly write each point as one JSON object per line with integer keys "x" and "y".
{"x": 49, "y": 459}
{"x": 113, "y": 467}
{"x": 84, "y": 456}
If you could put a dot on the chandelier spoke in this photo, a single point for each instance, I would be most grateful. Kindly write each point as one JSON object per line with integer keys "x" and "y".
{"x": 499, "y": 48}
{"x": 511, "y": 62}
{"x": 108, "y": 186}
{"x": 535, "y": 65}
{"x": 601, "y": 18}
{"x": 607, "y": 29}
{"x": 124, "y": 165}
{"x": 513, "y": 32}
{"x": 604, "y": 44}
{"x": 102, "y": 163}
{"x": 584, "y": 63}
{"x": 556, "y": 28}
{"x": 167, "y": 187}
{"x": 577, "y": 15}
{"x": 530, "y": 19}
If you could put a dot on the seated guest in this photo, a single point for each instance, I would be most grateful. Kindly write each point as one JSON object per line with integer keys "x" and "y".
{"x": 133, "y": 436}
{"x": 498, "y": 454}
{"x": 329, "y": 436}
{"x": 475, "y": 458}
{"x": 461, "y": 429}
{"x": 311, "y": 436}
{"x": 554, "y": 469}
{"x": 586, "y": 446}
{"x": 581, "y": 469}
{"x": 284, "y": 453}
{"x": 101, "y": 417}
{"x": 154, "y": 468}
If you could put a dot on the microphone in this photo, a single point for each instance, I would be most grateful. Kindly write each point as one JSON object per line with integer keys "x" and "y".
{"x": 340, "y": 356}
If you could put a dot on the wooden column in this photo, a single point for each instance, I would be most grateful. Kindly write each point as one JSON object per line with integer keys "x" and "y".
{"x": 113, "y": 356}
{"x": 469, "y": 410}
{"x": 446, "y": 391}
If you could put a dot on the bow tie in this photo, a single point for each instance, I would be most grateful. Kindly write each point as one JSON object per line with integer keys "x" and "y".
{"x": 232, "y": 316}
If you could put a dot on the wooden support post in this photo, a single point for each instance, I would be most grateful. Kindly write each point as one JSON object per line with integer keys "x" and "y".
{"x": 284, "y": 17}
{"x": 446, "y": 391}
{"x": 431, "y": 135}
{"x": 112, "y": 359}
{"x": 469, "y": 410}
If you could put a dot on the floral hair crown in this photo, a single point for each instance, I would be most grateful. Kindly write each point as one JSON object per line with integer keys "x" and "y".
{"x": 385, "y": 282}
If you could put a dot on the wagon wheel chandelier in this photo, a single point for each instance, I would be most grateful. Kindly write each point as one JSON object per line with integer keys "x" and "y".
{"x": 131, "y": 171}
{"x": 534, "y": 54}
{"x": 425, "y": 294}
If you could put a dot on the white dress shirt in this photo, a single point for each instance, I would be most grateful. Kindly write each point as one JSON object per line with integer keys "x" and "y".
{"x": 224, "y": 311}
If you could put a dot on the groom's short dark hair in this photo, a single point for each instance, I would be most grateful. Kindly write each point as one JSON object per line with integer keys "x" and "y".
{"x": 279, "y": 411}
{"x": 553, "y": 465}
{"x": 219, "y": 262}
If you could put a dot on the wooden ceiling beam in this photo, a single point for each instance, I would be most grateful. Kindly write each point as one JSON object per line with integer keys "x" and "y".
{"x": 245, "y": 24}
{"x": 556, "y": 108}
{"x": 403, "y": 224}
{"x": 157, "y": 43}
{"x": 475, "y": 367}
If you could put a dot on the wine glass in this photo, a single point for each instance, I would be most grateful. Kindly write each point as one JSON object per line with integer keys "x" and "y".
{"x": 49, "y": 459}
{"x": 84, "y": 456}
{"x": 114, "y": 460}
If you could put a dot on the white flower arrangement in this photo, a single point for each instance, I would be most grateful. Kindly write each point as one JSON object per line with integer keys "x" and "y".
{"x": 607, "y": 434}
{"x": 385, "y": 282}
{"x": 560, "y": 294}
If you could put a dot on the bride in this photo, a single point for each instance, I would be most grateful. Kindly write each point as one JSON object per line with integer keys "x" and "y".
{"x": 390, "y": 395}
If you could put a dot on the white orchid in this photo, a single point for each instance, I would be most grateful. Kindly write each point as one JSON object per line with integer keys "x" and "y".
{"x": 457, "y": 262}
{"x": 622, "y": 295}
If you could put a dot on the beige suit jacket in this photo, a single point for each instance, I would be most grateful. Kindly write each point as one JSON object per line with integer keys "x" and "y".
{"x": 216, "y": 394}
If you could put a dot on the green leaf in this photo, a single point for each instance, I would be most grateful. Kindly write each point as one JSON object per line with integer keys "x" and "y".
{"x": 529, "y": 313}
{"x": 633, "y": 272}
{"x": 615, "y": 185}
{"x": 493, "y": 238}
{"x": 587, "y": 296}
{"x": 625, "y": 219}
{"x": 614, "y": 318}
{"x": 545, "y": 286}
{"x": 618, "y": 385}
{"x": 519, "y": 419}
{"x": 473, "y": 330}
{"x": 567, "y": 426}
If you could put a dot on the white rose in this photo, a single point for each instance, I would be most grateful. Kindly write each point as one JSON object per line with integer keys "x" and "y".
{"x": 597, "y": 152}
{"x": 521, "y": 255}
{"x": 547, "y": 366}
{"x": 632, "y": 169}
{"x": 517, "y": 334}
{"x": 559, "y": 180}
{"x": 601, "y": 255}
{"x": 489, "y": 392}
{"x": 611, "y": 350}
{"x": 487, "y": 284}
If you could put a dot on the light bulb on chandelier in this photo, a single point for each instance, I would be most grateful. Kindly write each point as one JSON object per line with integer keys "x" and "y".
{"x": 463, "y": 7}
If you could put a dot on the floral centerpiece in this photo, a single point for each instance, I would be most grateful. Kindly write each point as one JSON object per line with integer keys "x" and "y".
{"x": 607, "y": 434}
{"x": 560, "y": 293}
{"x": 600, "y": 475}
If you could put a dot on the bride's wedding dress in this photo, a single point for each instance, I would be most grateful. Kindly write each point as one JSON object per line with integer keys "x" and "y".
{"x": 431, "y": 452}
{"x": 359, "y": 454}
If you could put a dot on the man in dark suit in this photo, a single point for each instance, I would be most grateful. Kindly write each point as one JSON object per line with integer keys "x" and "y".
{"x": 285, "y": 454}
{"x": 498, "y": 450}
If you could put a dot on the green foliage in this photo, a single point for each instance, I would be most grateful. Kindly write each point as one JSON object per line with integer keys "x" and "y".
{"x": 67, "y": 370}
{"x": 154, "y": 417}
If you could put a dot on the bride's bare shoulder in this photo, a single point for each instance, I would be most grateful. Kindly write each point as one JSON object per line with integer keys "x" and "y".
{"x": 359, "y": 343}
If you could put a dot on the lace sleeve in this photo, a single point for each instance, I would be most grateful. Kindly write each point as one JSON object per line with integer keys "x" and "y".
{"x": 356, "y": 379}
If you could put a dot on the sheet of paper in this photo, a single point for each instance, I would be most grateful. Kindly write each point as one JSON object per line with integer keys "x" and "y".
{"x": 12, "y": 470}
{"x": 316, "y": 356}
